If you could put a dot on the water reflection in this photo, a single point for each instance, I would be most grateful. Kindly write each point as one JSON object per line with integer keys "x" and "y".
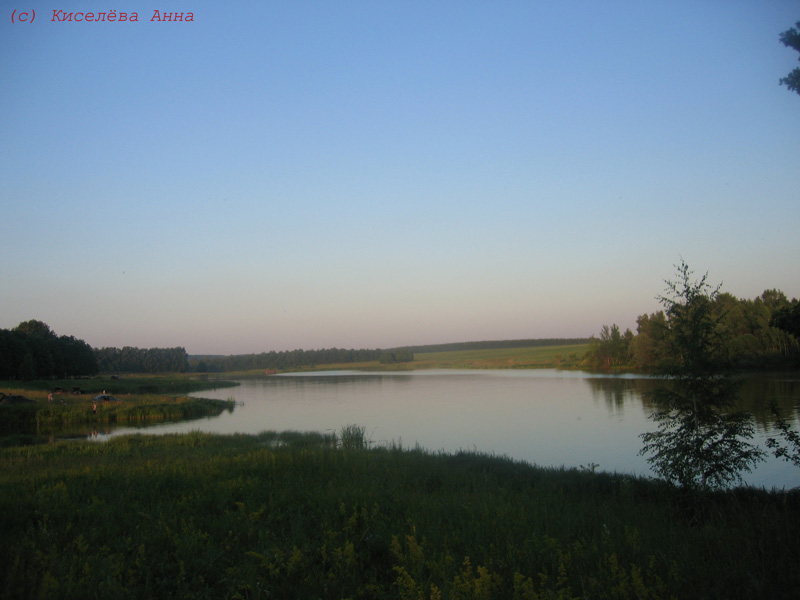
{"x": 757, "y": 391}
{"x": 547, "y": 417}
{"x": 616, "y": 392}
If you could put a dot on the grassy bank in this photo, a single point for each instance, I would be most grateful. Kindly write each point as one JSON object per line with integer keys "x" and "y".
{"x": 26, "y": 421}
{"x": 315, "y": 516}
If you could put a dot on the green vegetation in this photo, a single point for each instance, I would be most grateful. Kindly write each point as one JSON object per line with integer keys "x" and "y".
{"x": 290, "y": 360}
{"x": 327, "y": 515}
{"x": 758, "y": 334}
{"x": 397, "y": 356}
{"x": 140, "y": 400}
{"x": 498, "y": 345}
{"x": 171, "y": 383}
{"x": 701, "y": 440}
{"x": 321, "y": 516}
{"x": 335, "y": 358}
{"x": 787, "y": 318}
{"x": 531, "y": 357}
{"x": 789, "y": 450}
{"x": 566, "y": 356}
{"x": 132, "y": 410}
{"x": 31, "y": 350}
{"x": 44, "y": 417}
{"x": 142, "y": 360}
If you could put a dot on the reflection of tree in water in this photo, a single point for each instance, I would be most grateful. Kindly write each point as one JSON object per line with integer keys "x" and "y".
{"x": 311, "y": 380}
{"x": 755, "y": 393}
{"x": 615, "y": 390}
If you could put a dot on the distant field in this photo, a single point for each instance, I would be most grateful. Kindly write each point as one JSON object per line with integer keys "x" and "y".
{"x": 506, "y": 358}
{"x": 539, "y": 357}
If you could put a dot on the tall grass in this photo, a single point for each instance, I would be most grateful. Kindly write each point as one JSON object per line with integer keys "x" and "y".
{"x": 353, "y": 437}
{"x": 42, "y": 416}
{"x": 300, "y": 516}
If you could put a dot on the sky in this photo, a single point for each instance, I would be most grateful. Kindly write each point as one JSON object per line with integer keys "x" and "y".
{"x": 310, "y": 174}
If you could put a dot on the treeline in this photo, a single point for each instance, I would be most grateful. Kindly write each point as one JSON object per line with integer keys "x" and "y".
{"x": 293, "y": 359}
{"x": 287, "y": 359}
{"x": 495, "y": 345}
{"x": 396, "y": 356}
{"x": 142, "y": 360}
{"x": 754, "y": 334}
{"x": 33, "y": 351}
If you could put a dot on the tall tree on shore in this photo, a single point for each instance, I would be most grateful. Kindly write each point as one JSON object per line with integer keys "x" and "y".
{"x": 612, "y": 349}
{"x": 787, "y": 318}
{"x": 700, "y": 442}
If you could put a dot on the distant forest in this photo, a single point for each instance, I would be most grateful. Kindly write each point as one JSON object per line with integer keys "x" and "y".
{"x": 280, "y": 361}
{"x": 293, "y": 359}
{"x": 32, "y": 351}
{"x": 753, "y": 334}
{"x": 758, "y": 334}
{"x": 142, "y": 360}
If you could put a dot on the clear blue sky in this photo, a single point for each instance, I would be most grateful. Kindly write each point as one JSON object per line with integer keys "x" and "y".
{"x": 307, "y": 174}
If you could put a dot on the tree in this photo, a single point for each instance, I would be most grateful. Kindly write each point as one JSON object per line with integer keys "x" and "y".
{"x": 78, "y": 357}
{"x": 27, "y": 370}
{"x": 648, "y": 343}
{"x": 33, "y": 351}
{"x": 787, "y": 318}
{"x": 611, "y": 350}
{"x": 700, "y": 441}
{"x": 791, "y": 39}
{"x": 34, "y": 327}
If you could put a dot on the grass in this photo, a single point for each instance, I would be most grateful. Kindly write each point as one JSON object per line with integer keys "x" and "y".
{"x": 26, "y": 423}
{"x": 296, "y": 515}
{"x": 507, "y": 358}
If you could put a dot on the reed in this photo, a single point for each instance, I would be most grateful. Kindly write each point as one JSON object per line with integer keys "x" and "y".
{"x": 353, "y": 437}
{"x": 301, "y": 515}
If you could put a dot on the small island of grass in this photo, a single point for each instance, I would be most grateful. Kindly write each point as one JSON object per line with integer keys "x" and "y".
{"x": 29, "y": 410}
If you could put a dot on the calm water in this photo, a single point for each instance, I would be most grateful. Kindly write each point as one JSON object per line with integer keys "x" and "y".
{"x": 547, "y": 417}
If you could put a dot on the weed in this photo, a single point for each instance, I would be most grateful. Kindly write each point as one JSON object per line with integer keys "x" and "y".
{"x": 353, "y": 437}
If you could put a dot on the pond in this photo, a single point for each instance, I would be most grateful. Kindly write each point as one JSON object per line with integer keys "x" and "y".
{"x": 547, "y": 417}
